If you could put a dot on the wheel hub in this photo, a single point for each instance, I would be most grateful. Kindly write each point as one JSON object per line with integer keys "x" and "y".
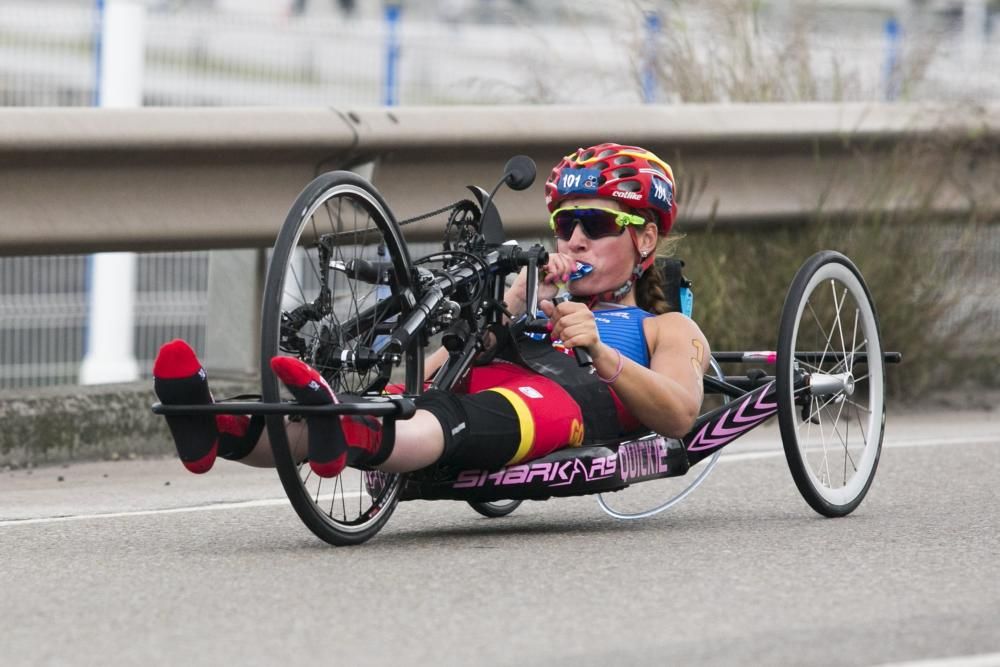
{"x": 824, "y": 384}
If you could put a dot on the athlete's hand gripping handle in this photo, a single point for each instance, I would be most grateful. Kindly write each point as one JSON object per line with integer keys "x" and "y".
{"x": 581, "y": 353}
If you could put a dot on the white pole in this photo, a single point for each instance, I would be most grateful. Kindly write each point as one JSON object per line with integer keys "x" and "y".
{"x": 110, "y": 355}
{"x": 974, "y": 19}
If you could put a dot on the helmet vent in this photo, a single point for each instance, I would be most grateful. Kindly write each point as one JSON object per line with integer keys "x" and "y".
{"x": 607, "y": 152}
{"x": 623, "y": 159}
{"x": 630, "y": 186}
{"x": 586, "y": 155}
{"x": 624, "y": 172}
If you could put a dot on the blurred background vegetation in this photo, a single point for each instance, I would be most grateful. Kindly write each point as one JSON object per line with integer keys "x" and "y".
{"x": 934, "y": 277}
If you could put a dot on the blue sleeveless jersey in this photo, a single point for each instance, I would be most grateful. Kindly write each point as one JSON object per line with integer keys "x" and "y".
{"x": 621, "y": 328}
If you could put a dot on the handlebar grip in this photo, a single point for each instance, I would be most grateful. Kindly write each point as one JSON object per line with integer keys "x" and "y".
{"x": 537, "y": 325}
{"x": 582, "y": 354}
{"x": 583, "y": 357}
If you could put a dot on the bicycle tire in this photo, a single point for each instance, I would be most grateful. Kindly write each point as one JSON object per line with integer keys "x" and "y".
{"x": 339, "y": 213}
{"x": 496, "y": 509}
{"x": 822, "y": 288}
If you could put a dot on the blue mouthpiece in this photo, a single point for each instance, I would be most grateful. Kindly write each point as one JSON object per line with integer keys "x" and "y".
{"x": 580, "y": 271}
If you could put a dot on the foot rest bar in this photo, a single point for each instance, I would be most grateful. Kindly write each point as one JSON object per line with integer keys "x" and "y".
{"x": 399, "y": 407}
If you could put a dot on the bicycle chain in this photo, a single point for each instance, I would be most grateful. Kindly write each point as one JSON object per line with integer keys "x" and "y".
{"x": 424, "y": 216}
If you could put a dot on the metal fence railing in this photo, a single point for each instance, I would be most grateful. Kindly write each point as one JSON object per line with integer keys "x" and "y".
{"x": 551, "y": 52}
{"x": 43, "y": 313}
{"x": 561, "y": 53}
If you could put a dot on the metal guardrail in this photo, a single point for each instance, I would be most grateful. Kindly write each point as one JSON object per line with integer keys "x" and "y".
{"x": 84, "y": 180}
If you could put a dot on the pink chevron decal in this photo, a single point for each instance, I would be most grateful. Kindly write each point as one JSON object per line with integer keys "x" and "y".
{"x": 701, "y": 442}
{"x": 723, "y": 432}
{"x": 760, "y": 405}
{"x": 721, "y": 428}
{"x": 738, "y": 418}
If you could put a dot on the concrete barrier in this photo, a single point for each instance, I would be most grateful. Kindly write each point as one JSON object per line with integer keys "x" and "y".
{"x": 82, "y": 180}
{"x": 69, "y": 423}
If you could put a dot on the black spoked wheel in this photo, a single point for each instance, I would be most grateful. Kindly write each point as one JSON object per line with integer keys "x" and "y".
{"x": 830, "y": 384}
{"x": 496, "y": 509}
{"x": 340, "y": 274}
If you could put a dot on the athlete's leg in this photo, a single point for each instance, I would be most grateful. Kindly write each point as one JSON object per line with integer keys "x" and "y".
{"x": 519, "y": 415}
{"x": 419, "y": 443}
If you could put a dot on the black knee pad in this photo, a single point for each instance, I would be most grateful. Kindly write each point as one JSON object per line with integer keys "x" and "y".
{"x": 480, "y": 430}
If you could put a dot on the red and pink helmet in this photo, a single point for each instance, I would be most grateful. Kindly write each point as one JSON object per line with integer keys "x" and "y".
{"x": 633, "y": 176}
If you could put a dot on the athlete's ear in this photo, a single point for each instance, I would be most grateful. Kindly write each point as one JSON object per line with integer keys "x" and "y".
{"x": 647, "y": 238}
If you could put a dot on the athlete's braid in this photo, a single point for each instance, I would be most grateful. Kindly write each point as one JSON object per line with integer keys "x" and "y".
{"x": 649, "y": 291}
{"x": 649, "y": 294}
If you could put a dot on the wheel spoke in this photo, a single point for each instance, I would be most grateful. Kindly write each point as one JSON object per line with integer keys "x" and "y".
{"x": 861, "y": 425}
{"x": 822, "y": 437}
{"x": 854, "y": 339}
{"x": 859, "y": 407}
{"x": 343, "y": 495}
{"x": 811, "y": 367}
{"x": 809, "y": 422}
{"x": 828, "y": 337}
{"x": 837, "y": 309}
{"x": 298, "y": 284}
{"x": 828, "y": 401}
{"x": 847, "y": 451}
{"x": 843, "y": 439}
{"x": 842, "y": 365}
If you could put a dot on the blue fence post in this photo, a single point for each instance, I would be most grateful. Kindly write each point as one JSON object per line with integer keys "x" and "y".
{"x": 653, "y": 26}
{"x": 890, "y": 73}
{"x": 98, "y": 60}
{"x": 392, "y": 14}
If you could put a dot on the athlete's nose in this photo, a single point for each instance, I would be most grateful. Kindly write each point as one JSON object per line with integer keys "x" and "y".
{"x": 578, "y": 240}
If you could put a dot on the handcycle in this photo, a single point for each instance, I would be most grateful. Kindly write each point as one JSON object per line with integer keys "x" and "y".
{"x": 344, "y": 294}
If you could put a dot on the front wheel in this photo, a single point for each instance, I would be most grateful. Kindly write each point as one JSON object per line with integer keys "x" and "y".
{"x": 496, "y": 509}
{"x": 830, "y": 384}
{"x": 320, "y": 307}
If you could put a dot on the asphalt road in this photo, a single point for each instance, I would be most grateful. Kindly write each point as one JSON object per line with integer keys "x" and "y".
{"x": 140, "y": 563}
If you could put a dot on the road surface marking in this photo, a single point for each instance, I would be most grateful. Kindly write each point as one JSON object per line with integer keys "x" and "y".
{"x": 980, "y": 660}
{"x": 273, "y": 502}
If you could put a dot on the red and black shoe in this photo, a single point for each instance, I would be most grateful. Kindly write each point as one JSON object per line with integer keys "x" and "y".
{"x": 180, "y": 379}
{"x": 334, "y": 442}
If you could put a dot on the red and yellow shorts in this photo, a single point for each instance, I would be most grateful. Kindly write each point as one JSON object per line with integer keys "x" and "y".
{"x": 548, "y": 417}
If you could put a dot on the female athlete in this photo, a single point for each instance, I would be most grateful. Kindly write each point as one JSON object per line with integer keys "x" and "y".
{"x": 611, "y": 205}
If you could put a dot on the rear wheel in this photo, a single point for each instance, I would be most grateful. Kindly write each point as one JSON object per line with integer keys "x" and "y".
{"x": 319, "y": 308}
{"x": 830, "y": 384}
